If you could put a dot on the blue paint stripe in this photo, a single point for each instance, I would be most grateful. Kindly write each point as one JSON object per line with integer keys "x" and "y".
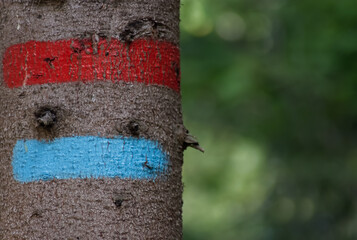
{"x": 88, "y": 157}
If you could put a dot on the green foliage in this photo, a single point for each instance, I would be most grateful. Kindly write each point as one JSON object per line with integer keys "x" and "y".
{"x": 269, "y": 88}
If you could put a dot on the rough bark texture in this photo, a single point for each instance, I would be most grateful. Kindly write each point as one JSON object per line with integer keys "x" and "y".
{"x": 107, "y": 208}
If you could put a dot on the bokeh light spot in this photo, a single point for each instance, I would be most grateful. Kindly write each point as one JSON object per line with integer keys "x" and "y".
{"x": 195, "y": 19}
{"x": 230, "y": 26}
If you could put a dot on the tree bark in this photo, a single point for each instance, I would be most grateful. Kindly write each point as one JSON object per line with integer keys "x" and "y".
{"x": 56, "y": 114}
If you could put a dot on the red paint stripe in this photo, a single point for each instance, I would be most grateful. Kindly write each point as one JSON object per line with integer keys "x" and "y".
{"x": 147, "y": 61}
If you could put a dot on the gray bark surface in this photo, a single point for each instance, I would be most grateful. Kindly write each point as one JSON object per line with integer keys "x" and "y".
{"x": 108, "y": 208}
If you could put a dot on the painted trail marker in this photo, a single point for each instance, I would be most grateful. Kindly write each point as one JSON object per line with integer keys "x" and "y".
{"x": 147, "y": 61}
{"x": 63, "y": 61}
{"x": 88, "y": 157}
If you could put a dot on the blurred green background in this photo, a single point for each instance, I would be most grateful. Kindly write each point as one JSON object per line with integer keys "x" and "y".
{"x": 270, "y": 89}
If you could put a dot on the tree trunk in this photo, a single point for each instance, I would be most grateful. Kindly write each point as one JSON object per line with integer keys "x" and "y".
{"x": 89, "y": 115}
